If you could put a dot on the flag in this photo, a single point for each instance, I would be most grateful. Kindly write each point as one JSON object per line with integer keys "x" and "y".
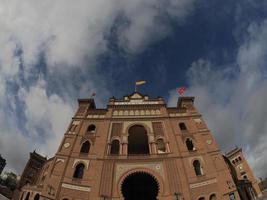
{"x": 93, "y": 94}
{"x": 181, "y": 90}
{"x": 140, "y": 82}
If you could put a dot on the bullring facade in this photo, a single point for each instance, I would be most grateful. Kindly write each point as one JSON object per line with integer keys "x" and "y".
{"x": 136, "y": 149}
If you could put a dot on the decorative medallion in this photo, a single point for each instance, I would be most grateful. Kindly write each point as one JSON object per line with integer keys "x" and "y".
{"x": 67, "y": 145}
{"x": 158, "y": 167}
{"x": 209, "y": 142}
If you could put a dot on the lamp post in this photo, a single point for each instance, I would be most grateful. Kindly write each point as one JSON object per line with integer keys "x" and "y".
{"x": 177, "y": 195}
{"x": 104, "y": 197}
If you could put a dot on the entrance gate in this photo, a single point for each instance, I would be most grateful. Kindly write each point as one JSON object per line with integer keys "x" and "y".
{"x": 140, "y": 186}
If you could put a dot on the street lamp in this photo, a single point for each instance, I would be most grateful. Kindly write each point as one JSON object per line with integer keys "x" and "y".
{"x": 104, "y": 197}
{"x": 177, "y": 195}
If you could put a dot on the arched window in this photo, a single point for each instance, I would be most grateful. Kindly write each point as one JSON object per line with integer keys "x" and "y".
{"x": 213, "y": 197}
{"x": 28, "y": 196}
{"x": 91, "y": 129}
{"x": 138, "y": 140}
{"x": 36, "y": 197}
{"x": 239, "y": 158}
{"x": 161, "y": 146}
{"x": 197, "y": 168}
{"x": 115, "y": 147}
{"x": 78, "y": 173}
{"x": 85, "y": 147}
{"x": 201, "y": 198}
{"x": 189, "y": 144}
{"x": 182, "y": 126}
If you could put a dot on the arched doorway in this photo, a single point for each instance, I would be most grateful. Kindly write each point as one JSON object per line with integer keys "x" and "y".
{"x": 138, "y": 140}
{"x": 141, "y": 186}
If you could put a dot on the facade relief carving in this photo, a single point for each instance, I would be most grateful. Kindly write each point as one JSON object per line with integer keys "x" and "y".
{"x": 136, "y": 113}
{"x": 123, "y": 168}
{"x": 196, "y": 185}
{"x": 96, "y": 116}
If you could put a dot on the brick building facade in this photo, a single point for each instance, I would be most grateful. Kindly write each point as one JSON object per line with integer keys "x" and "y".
{"x": 137, "y": 148}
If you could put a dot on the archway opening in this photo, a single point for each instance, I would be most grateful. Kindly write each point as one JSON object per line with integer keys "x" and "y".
{"x": 141, "y": 186}
{"x": 138, "y": 140}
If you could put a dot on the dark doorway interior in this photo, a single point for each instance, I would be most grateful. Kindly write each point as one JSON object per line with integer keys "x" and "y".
{"x": 138, "y": 140}
{"x": 140, "y": 186}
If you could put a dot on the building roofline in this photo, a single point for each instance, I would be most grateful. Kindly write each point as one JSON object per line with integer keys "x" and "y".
{"x": 233, "y": 151}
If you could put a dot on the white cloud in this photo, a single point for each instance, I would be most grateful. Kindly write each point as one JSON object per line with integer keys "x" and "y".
{"x": 234, "y": 102}
{"x": 47, "y": 116}
{"x": 69, "y": 35}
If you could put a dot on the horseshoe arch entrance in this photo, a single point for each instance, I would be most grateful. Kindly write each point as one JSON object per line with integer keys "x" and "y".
{"x": 141, "y": 186}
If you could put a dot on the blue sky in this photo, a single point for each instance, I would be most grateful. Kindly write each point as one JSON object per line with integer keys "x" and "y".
{"x": 53, "y": 52}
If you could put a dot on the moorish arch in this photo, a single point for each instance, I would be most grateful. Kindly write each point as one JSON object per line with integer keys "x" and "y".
{"x": 146, "y": 124}
{"x": 140, "y": 183}
{"x": 138, "y": 142}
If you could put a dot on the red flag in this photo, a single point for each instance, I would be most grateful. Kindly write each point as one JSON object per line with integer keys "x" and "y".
{"x": 181, "y": 90}
{"x": 93, "y": 94}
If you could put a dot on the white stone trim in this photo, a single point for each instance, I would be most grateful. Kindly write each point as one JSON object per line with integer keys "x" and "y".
{"x": 195, "y": 185}
{"x": 75, "y": 187}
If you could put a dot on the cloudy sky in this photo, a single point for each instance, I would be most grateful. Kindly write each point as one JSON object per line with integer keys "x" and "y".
{"x": 53, "y": 52}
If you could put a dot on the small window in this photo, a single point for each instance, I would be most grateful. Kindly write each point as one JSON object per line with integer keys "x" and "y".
{"x": 161, "y": 146}
{"x": 242, "y": 173}
{"x": 91, "y": 129}
{"x": 37, "y": 197}
{"x": 236, "y": 160}
{"x": 85, "y": 147}
{"x": 197, "y": 168}
{"x": 28, "y": 196}
{"x": 233, "y": 161}
{"x": 182, "y": 126}
{"x": 213, "y": 197}
{"x": 189, "y": 144}
{"x": 239, "y": 158}
{"x": 115, "y": 147}
{"x": 232, "y": 196}
{"x": 201, "y": 198}
{"x": 78, "y": 173}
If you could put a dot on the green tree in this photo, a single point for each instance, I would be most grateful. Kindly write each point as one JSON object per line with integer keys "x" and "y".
{"x": 9, "y": 179}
